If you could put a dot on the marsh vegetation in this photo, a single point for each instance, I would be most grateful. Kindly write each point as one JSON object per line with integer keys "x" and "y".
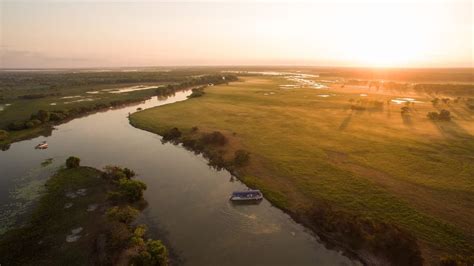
{"x": 85, "y": 217}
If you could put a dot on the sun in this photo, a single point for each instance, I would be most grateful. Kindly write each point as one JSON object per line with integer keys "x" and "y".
{"x": 391, "y": 53}
{"x": 385, "y": 38}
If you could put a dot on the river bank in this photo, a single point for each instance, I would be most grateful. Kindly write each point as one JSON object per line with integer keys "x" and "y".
{"x": 85, "y": 216}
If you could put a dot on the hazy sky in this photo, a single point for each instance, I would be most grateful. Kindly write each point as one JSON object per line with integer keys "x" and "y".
{"x": 416, "y": 33}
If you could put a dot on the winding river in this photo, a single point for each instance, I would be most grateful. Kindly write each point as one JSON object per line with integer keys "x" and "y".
{"x": 188, "y": 201}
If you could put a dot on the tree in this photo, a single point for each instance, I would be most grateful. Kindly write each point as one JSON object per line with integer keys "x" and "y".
{"x": 73, "y": 162}
{"x": 433, "y": 115}
{"x": 154, "y": 254}
{"x": 131, "y": 190}
{"x": 128, "y": 172}
{"x": 405, "y": 110}
{"x": 32, "y": 123}
{"x": 124, "y": 215}
{"x": 444, "y": 115}
{"x": 216, "y": 138}
{"x": 57, "y": 116}
{"x": 197, "y": 92}
{"x": 241, "y": 157}
{"x": 172, "y": 134}
{"x": 17, "y": 125}
{"x": 43, "y": 116}
{"x": 112, "y": 172}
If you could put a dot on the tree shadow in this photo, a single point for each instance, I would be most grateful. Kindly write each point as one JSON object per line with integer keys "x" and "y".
{"x": 345, "y": 123}
{"x": 389, "y": 111}
{"x": 463, "y": 115}
{"x": 407, "y": 121}
{"x": 451, "y": 129}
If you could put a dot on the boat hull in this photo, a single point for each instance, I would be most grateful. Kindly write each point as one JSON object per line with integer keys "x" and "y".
{"x": 246, "y": 196}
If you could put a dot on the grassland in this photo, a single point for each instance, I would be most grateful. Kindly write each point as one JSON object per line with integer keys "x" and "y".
{"x": 349, "y": 147}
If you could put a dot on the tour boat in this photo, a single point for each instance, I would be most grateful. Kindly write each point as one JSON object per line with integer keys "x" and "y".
{"x": 248, "y": 195}
{"x": 42, "y": 145}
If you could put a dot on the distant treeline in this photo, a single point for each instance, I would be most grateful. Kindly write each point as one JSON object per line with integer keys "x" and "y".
{"x": 414, "y": 75}
{"x": 16, "y": 84}
{"x": 37, "y": 96}
{"x": 422, "y": 88}
{"x": 60, "y": 79}
{"x": 447, "y": 89}
{"x": 198, "y": 81}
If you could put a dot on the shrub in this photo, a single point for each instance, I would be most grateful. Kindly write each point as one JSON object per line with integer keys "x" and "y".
{"x": 172, "y": 134}
{"x": 155, "y": 253}
{"x": 117, "y": 236}
{"x": 3, "y": 134}
{"x": 73, "y": 162}
{"x": 137, "y": 238}
{"x": 198, "y": 92}
{"x": 116, "y": 173}
{"x": 57, "y": 116}
{"x": 216, "y": 159}
{"x": 17, "y": 125}
{"x": 32, "y": 123}
{"x": 443, "y": 115}
{"x": 124, "y": 215}
{"x": 43, "y": 116}
{"x": 189, "y": 143}
{"x": 241, "y": 157}
{"x": 214, "y": 138}
{"x": 131, "y": 190}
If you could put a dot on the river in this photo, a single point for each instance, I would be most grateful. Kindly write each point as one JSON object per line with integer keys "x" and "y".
{"x": 188, "y": 201}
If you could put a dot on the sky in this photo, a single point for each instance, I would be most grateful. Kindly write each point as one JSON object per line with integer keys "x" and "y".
{"x": 368, "y": 33}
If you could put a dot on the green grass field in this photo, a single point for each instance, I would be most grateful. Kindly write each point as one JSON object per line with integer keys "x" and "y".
{"x": 376, "y": 163}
